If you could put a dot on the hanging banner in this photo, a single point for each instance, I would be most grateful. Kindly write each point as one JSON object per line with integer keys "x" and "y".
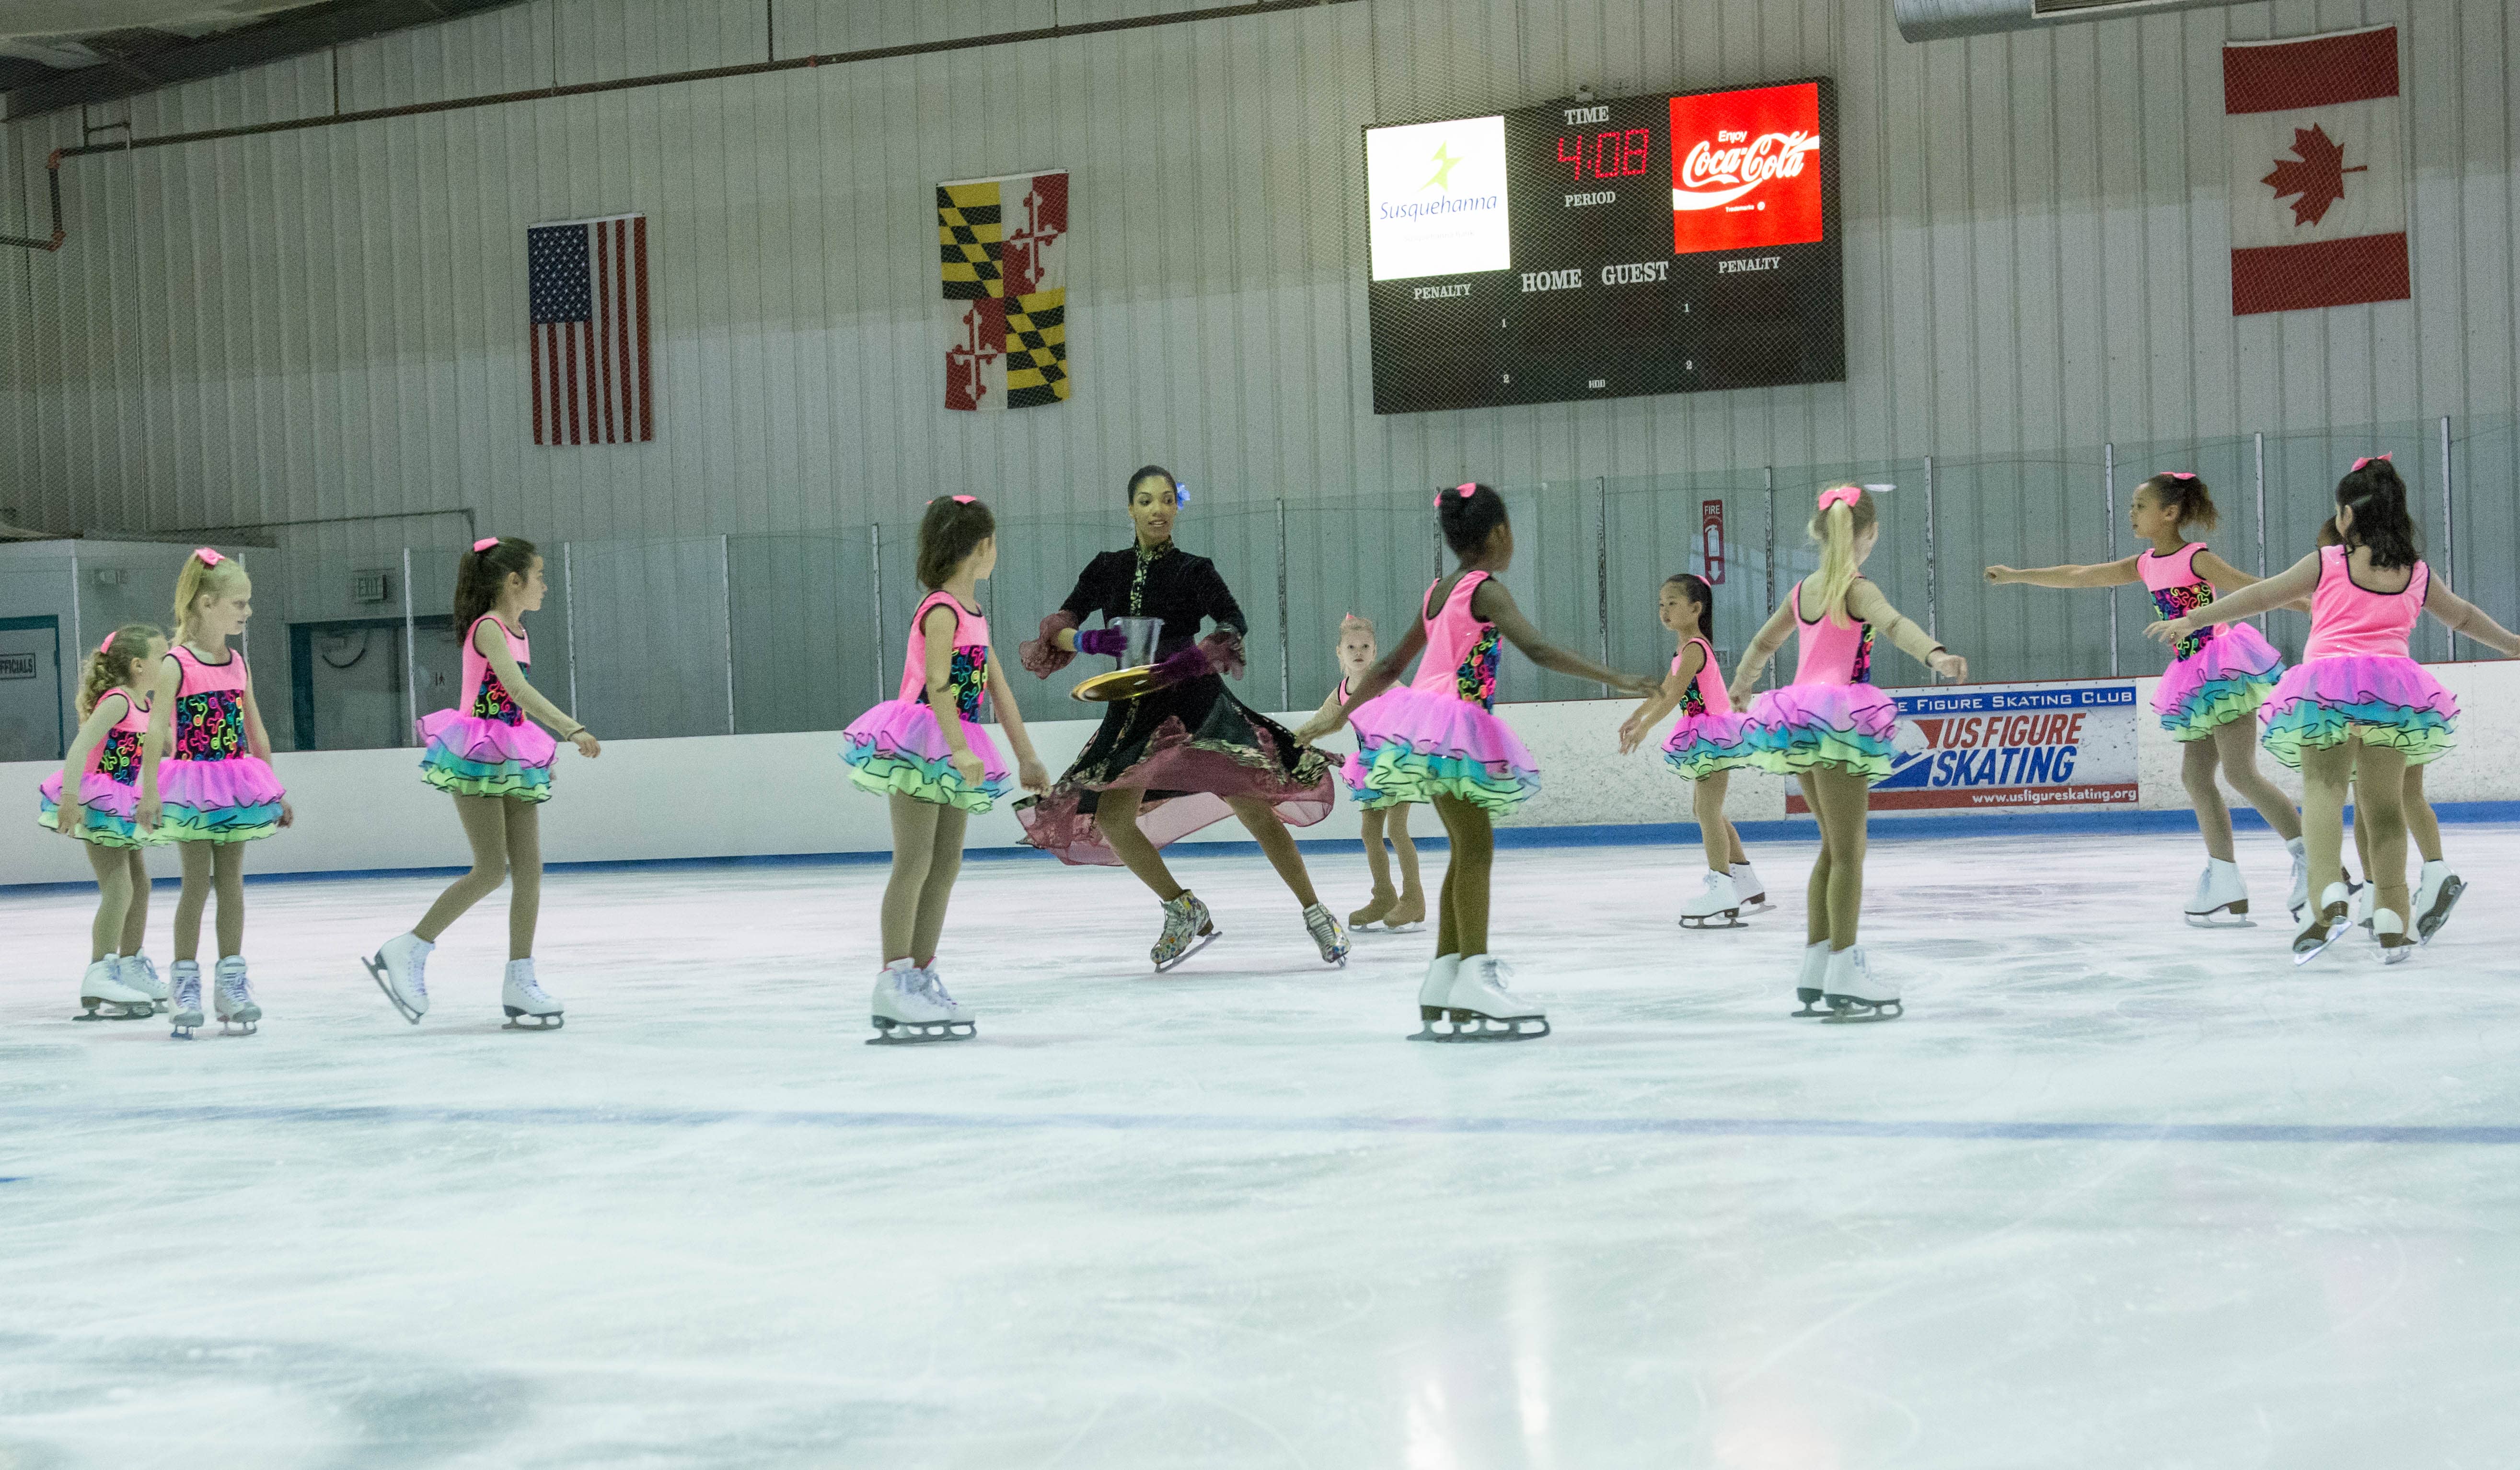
{"x": 1002, "y": 247}
{"x": 2012, "y": 748}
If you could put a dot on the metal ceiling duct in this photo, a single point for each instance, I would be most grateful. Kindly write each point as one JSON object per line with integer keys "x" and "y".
{"x": 1939, "y": 19}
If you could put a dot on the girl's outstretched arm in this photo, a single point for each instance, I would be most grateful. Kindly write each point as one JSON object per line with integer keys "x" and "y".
{"x": 1864, "y": 600}
{"x": 2462, "y": 616}
{"x": 160, "y": 738}
{"x": 2226, "y": 578}
{"x": 1674, "y": 686}
{"x": 1491, "y": 602}
{"x": 258, "y": 742}
{"x": 106, "y": 714}
{"x": 1380, "y": 677}
{"x": 1754, "y": 658}
{"x": 2296, "y": 580}
{"x": 490, "y": 640}
{"x": 1030, "y": 774}
{"x": 2099, "y": 574}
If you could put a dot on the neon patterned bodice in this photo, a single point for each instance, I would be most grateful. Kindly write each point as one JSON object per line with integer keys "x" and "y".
{"x": 209, "y": 708}
{"x": 2178, "y": 591}
{"x": 1706, "y": 693}
{"x": 1462, "y": 650}
{"x": 490, "y": 698}
{"x": 968, "y": 675}
{"x": 116, "y": 757}
{"x": 1832, "y": 652}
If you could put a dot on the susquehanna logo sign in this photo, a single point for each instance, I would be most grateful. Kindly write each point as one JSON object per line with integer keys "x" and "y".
{"x": 1437, "y": 192}
{"x": 1744, "y": 169}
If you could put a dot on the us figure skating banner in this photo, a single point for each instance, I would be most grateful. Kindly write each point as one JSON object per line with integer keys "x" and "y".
{"x": 2012, "y": 748}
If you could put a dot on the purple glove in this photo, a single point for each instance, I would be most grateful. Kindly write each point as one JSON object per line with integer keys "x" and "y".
{"x": 1110, "y": 641}
{"x": 1182, "y": 667}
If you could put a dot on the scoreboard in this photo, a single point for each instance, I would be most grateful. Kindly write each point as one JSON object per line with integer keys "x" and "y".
{"x": 1671, "y": 244}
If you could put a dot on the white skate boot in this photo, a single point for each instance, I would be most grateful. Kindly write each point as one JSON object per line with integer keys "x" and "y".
{"x": 1717, "y": 905}
{"x": 528, "y": 1005}
{"x": 1436, "y": 991}
{"x": 2391, "y": 930}
{"x": 2436, "y": 893}
{"x": 102, "y": 986}
{"x": 2299, "y": 903}
{"x": 137, "y": 972}
{"x": 1855, "y": 993}
{"x": 1480, "y": 1008}
{"x": 1328, "y": 936}
{"x": 936, "y": 992}
{"x": 2221, "y": 899}
{"x": 1187, "y": 929}
{"x": 909, "y": 1006}
{"x": 1754, "y": 891}
{"x": 2367, "y": 899}
{"x": 401, "y": 971}
{"x": 231, "y": 999}
{"x": 188, "y": 1000}
{"x": 2326, "y": 926}
{"x": 1811, "y": 982}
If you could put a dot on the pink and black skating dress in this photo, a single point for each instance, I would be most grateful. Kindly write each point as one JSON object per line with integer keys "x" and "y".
{"x": 212, "y": 787}
{"x": 1709, "y": 738}
{"x": 487, "y": 747}
{"x": 2355, "y": 675}
{"x": 1439, "y": 735}
{"x": 898, "y": 745}
{"x": 109, "y": 788}
{"x": 2216, "y": 674}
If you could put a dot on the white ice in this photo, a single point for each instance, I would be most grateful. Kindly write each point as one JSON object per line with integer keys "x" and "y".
{"x": 1232, "y": 1218}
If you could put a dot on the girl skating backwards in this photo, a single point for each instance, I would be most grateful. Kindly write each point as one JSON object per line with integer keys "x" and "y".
{"x": 1439, "y": 741}
{"x": 1403, "y": 909}
{"x": 2358, "y": 708}
{"x": 100, "y": 774}
{"x": 1705, "y": 746}
{"x": 496, "y": 764}
{"x": 206, "y": 784}
{"x": 2216, "y": 680}
{"x": 936, "y": 773}
{"x": 1831, "y": 730}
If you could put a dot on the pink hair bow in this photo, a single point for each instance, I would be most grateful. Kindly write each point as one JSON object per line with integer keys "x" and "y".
{"x": 485, "y": 543}
{"x": 106, "y": 646}
{"x": 1463, "y": 491}
{"x": 960, "y": 500}
{"x": 209, "y": 558}
{"x": 2182, "y": 475}
{"x": 2369, "y": 459}
{"x": 1840, "y": 495}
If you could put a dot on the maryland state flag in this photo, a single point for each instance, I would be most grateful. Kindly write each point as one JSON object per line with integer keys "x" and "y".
{"x": 1004, "y": 247}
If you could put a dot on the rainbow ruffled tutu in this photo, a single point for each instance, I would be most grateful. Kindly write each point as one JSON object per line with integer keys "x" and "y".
{"x": 897, "y": 746}
{"x": 1701, "y": 745}
{"x": 231, "y": 800}
{"x": 1421, "y": 746}
{"x": 1801, "y": 726}
{"x": 472, "y": 756}
{"x": 2389, "y": 700}
{"x": 107, "y": 808}
{"x": 1366, "y": 723}
{"x": 2226, "y": 679}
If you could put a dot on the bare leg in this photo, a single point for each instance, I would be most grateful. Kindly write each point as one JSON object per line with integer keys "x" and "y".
{"x": 2196, "y": 761}
{"x": 1714, "y": 833}
{"x": 524, "y": 875}
{"x": 1736, "y": 853}
{"x": 1412, "y": 891}
{"x": 1816, "y": 894}
{"x": 1115, "y": 813}
{"x": 485, "y": 828}
{"x": 1845, "y": 808}
{"x": 2380, "y": 776}
{"x": 914, "y": 850}
{"x": 112, "y": 899}
{"x": 2323, "y": 776}
{"x": 1465, "y": 878}
{"x": 2422, "y": 824}
{"x": 227, "y": 871}
{"x": 2237, "y": 744}
{"x": 1376, "y": 860}
{"x": 135, "y": 916}
{"x": 944, "y": 865}
{"x": 192, "y": 898}
{"x": 1260, "y": 820}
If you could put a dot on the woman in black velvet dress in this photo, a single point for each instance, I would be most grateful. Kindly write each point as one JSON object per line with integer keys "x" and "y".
{"x": 1185, "y": 754}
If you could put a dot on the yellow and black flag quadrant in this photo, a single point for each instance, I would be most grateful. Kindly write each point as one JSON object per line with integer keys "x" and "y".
{"x": 1002, "y": 253}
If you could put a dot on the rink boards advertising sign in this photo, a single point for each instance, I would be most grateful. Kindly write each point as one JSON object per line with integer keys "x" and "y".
{"x": 2011, "y": 747}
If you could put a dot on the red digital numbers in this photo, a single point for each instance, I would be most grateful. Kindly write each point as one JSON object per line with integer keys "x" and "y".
{"x": 1607, "y": 156}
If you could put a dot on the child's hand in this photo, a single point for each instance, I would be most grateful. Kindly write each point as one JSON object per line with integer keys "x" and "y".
{"x": 1631, "y": 732}
{"x": 1949, "y": 665}
{"x": 2171, "y": 631}
{"x": 966, "y": 764}
{"x": 146, "y": 819}
{"x": 70, "y": 818}
{"x": 587, "y": 744}
{"x": 2000, "y": 574}
{"x": 1742, "y": 693}
{"x": 1032, "y": 774}
{"x": 288, "y": 813}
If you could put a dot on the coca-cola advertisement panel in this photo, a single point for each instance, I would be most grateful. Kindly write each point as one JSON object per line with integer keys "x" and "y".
{"x": 1743, "y": 170}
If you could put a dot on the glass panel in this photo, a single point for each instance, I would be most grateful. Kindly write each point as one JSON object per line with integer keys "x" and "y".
{"x": 652, "y": 644}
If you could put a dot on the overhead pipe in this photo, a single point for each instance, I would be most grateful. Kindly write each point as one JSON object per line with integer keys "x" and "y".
{"x": 52, "y": 167}
{"x": 1942, "y": 19}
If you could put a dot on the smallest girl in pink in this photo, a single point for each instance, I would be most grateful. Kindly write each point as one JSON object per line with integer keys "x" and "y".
{"x": 1403, "y": 909}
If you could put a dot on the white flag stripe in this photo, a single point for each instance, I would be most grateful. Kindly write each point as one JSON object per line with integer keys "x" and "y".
{"x": 2374, "y": 202}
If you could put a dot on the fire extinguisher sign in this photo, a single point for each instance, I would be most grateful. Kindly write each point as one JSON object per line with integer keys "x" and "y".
{"x": 1710, "y": 541}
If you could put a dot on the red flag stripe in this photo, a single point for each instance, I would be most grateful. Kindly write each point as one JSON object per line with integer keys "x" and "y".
{"x": 2324, "y": 272}
{"x": 647, "y": 394}
{"x": 603, "y": 320}
{"x": 534, "y": 347}
{"x": 2322, "y": 72}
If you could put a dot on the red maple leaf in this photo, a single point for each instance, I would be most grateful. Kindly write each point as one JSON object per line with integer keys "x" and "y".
{"x": 2316, "y": 173}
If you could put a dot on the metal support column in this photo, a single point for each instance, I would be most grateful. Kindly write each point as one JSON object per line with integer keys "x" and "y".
{"x": 1932, "y": 620}
{"x": 1601, "y": 567}
{"x": 567, "y": 613}
{"x": 2261, "y": 442}
{"x": 2450, "y": 524}
{"x": 726, "y": 595}
{"x": 874, "y": 560}
{"x": 2109, "y": 510}
{"x": 411, "y": 662}
{"x": 1286, "y": 627}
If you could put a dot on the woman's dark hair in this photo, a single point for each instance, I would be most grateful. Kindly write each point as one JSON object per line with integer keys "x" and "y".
{"x": 947, "y": 533}
{"x": 1129, "y": 491}
{"x": 1469, "y": 520}
{"x": 2378, "y": 498}
{"x": 482, "y": 576}
{"x": 1694, "y": 587}
{"x": 2184, "y": 496}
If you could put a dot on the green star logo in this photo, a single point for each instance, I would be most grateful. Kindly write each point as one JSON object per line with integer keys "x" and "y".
{"x": 1445, "y": 163}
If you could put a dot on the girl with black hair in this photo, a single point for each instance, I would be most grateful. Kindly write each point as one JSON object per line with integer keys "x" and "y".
{"x": 2358, "y": 710}
{"x": 1707, "y": 743}
{"x": 1185, "y": 754}
{"x": 496, "y": 763}
{"x": 1439, "y": 741}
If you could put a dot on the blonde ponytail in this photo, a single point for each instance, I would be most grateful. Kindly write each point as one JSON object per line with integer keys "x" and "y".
{"x": 116, "y": 662}
{"x": 1840, "y": 519}
{"x": 204, "y": 571}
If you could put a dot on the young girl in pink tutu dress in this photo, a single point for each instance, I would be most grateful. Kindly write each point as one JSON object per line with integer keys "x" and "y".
{"x": 100, "y": 772}
{"x": 1439, "y": 741}
{"x": 936, "y": 773}
{"x": 489, "y": 753}
{"x": 205, "y": 780}
{"x": 2358, "y": 709}
{"x": 1395, "y": 910}
{"x": 2218, "y": 678}
{"x": 1705, "y": 745}
{"x": 1831, "y": 730}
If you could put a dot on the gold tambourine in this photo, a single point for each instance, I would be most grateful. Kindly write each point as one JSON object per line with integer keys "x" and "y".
{"x": 1119, "y": 684}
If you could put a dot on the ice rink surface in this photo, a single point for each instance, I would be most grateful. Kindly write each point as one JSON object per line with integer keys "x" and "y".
{"x": 2114, "y": 1194}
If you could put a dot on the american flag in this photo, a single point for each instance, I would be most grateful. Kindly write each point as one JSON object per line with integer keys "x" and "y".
{"x": 588, "y": 284}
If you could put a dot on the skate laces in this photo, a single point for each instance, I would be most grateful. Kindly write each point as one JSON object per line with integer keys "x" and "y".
{"x": 931, "y": 985}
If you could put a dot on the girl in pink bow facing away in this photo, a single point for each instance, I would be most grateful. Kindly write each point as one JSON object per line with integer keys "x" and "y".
{"x": 2216, "y": 680}
{"x": 95, "y": 798}
{"x": 1403, "y": 909}
{"x": 1831, "y": 730}
{"x": 496, "y": 763}
{"x": 206, "y": 784}
{"x": 936, "y": 771}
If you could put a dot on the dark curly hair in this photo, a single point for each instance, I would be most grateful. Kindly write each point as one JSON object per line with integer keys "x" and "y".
{"x": 2184, "y": 496}
{"x": 1469, "y": 520}
{"x": 2377, "y": 497}
{"x": 1694, "y": 587}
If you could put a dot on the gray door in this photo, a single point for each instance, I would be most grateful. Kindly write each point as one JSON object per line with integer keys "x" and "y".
{"x": 32, "y": 703}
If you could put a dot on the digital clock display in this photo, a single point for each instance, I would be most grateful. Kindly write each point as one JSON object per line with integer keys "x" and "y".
{"x": 1666, "y": 243}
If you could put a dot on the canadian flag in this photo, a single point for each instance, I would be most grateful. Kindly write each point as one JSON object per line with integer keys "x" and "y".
{"x": 2319, "y": 194}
